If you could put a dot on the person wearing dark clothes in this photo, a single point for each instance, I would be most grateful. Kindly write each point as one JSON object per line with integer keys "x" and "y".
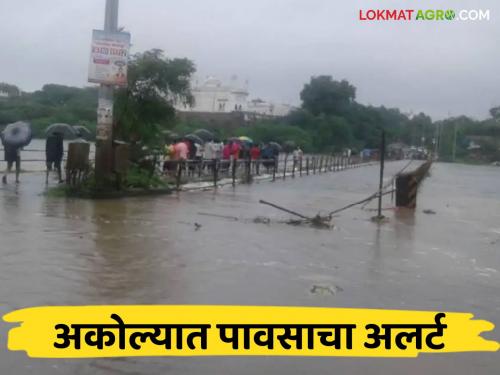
{"x": 12, "y": 155}
{"x": 54, "y": 151}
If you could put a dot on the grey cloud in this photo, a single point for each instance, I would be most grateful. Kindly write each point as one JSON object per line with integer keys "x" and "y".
{"x": 435, "y": 67}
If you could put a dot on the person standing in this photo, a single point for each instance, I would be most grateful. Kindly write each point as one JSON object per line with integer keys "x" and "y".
{"x": 255, "y": 152}
{"x": 226, "y": 151}
{"x": 298, "y": 154}
{"x": 12, "y": 155}
{"x": 255, "y": 156}
{"x": 54, "y": 152}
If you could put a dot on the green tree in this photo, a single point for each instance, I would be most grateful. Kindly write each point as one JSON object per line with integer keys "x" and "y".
{"x": 155, "y": 84}
{"x": 10, "y": 90}
{"x": 323, "y": 95}
{"x": 272, "y": 131}
{"x": 495, "y": 113}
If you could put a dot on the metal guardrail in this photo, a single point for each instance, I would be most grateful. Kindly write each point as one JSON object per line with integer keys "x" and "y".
{"x": 245, "y": 170}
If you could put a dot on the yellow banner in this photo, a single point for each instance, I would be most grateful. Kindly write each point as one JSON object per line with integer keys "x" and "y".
{"x": 131, "y": 331}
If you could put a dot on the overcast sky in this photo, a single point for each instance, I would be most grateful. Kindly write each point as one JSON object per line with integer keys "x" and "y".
{"x": 434, "y": 67}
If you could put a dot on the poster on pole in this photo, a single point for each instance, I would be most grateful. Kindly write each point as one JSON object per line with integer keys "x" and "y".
{"x": 104, "y": 120}
{"x": 109, "y": 58}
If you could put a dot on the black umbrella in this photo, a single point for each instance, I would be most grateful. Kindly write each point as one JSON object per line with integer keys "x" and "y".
{"x": 194, "y": 138}
{"x": 204, "y": 134}
{"x": 275, "y": 146}
{"x": 63, "y": 129}
{"x": 18, "y": 134}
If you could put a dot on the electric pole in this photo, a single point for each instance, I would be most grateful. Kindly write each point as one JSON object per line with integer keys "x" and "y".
{"x": 454, "y": 140}
{"x": 104, "y": 145}
{"x": 381, "y": 182}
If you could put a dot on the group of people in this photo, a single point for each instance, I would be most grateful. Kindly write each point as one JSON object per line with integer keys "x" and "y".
{"x": 229, "y": 151}
{"x": 54, "y": 154}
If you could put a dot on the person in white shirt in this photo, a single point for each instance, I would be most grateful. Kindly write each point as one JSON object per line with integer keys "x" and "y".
{"x": 298, "y": 154}
{"x": 209, "y": 152}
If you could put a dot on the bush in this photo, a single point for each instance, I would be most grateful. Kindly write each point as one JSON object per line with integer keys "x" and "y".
{"x": 142, "y": 179}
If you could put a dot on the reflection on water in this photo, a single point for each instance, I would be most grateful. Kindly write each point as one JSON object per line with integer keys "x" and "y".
{"x": 149, "y": 251}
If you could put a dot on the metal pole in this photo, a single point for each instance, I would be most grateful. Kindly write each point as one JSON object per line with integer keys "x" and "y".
{"x": 233, "y": 170}
{"x": 284, "y": 169}
{"x": 454, "y": 140}
{"x": 215, "y": 167}
{"x": 104, "y": 147}
{"x": 381, "y": 186}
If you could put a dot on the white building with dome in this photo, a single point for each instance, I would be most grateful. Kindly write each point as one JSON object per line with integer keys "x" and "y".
{"x": 213, "y": 96}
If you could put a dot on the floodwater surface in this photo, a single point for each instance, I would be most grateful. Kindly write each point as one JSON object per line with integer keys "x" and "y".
{"x": 204, "y": 247}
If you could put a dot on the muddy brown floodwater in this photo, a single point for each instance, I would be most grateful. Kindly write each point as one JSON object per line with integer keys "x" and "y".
{"x": 149, "y": 251}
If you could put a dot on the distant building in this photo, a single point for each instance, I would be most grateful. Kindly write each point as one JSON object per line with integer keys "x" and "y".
{"x": 212, "y": 96}
{"x": 261, "y": 107}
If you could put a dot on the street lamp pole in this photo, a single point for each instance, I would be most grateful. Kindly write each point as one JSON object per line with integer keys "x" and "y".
{"x": 104, "y": 147}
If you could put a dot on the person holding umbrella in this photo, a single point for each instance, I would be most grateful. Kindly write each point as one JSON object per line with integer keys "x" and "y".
{"x": 54, "y": 147}
{"x": 12, "y": 155}
{"x": 54, "y": 151}
{"x": 14, "y": 137}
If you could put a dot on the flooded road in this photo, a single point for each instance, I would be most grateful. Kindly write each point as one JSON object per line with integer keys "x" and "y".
{"x": 149, "y": 251}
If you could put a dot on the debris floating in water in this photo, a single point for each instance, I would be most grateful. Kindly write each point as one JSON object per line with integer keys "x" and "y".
{"x": 262, "y": 220}
{"x": 325, "y": 289}
{"x": 318, "y": 221}
{"x": 429, "y": 212}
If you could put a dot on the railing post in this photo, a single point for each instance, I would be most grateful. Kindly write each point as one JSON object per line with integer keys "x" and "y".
{"x": 179, "y": 174}
{"x": 307, "y": 166}
{"x": 314, "y": 164}
{"x": 249, "y": 168}
{"x": 215, "y": 171}
{"x": 274, "y": 169}
{"x": 294, "y": 165}
{"x": 284, "y": 169}
{"x": 233, "y": 170}
{"x": 300, "y": 166}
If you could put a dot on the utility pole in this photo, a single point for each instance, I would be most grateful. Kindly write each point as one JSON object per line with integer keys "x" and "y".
{"x": 381, "y": 186}
{"x": 104, "y": 147}
{"x": 454, "y": 140}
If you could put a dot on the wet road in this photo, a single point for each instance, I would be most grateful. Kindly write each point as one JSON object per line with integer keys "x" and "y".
{"x": 147, "y": 251}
